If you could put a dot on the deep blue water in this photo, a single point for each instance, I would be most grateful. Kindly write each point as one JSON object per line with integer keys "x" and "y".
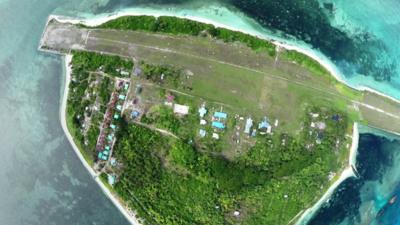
{"x": 364, "y": 200}
{"x": 43, "y": 182}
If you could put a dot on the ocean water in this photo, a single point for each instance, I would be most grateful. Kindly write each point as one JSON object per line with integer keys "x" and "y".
{"x": 42, "y": 180}
{"x": 365, "y": 200}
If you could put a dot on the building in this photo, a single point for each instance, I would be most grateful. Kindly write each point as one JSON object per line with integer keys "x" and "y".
{"x": 202, "y": 133}
{"x": 113, "y": 126}
{"x": 249, "y": 124}
{"x": 217, "y": 124}
{"x": 203, "y": 122}
{"x": 126, "y": 86}
{"x": 119, "y": 107}
{"x": 181, "y": 109}
{"x": 137, "y": 71}
{"x": 111, "y": 179}
{"x": 202, "y": 111}
{"x": 263, "y": 125}
{"x": 220, "y": 115}
{"x": 215, "y": 136}
{"x": 124, "y": 73}
{"x": 135, "y": 114}
{"x": 101, "y": 156}
{"x": 122, "y": 97}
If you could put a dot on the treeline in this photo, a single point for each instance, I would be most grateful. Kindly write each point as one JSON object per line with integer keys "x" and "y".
{"x": 180, "y": 26}
{"x": 90, "y": 61}
{"x": 163, "y": 177}
{"x": 307, "y": 62}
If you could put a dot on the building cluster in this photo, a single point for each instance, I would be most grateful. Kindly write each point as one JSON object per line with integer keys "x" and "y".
{"x": 113, "y": 113}
{"x": 219, "y": 123}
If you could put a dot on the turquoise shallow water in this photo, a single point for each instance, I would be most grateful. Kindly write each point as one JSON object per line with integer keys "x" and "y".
{"x": 43, "y": 182}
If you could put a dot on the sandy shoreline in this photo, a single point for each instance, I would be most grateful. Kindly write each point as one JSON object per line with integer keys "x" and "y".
{"x": 128, "y": 215}
{"x": 348, "y": 172}
{"x": 319, "y": 58}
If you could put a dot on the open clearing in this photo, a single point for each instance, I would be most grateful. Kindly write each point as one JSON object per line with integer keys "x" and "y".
{"x": 256, "y": 82}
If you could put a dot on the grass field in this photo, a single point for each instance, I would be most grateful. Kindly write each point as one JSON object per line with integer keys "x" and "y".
{"x": 167, "y": 167}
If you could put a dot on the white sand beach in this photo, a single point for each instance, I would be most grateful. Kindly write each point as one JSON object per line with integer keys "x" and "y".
{"x": 348, "y": 172}
{"x": 127, "y": 213}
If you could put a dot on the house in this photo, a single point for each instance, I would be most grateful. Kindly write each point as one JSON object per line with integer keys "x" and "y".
{"x": 113, "y": 161}
{"x": 203, "y": 122}
{"x": 111, "y": 179}
{"x": 181, "y": 109}
{"x": 215, "y": 136}
{"x": 202, "y": 133}
{"x": 138, "y": 89}
{"x": 124, "y": 73}
{"x": 116, "y": 116}
{"x": 119, "y": 107}
{"x": 122, "y": 97}
{"x": 110, "y": 137}
{"x": 202, "y": 111}
{"x": 253, "y": 134}
{"x": 218, "y": 125}
{"x": 249, "y": 124}
{"x": 101, "y": 156}
{"x": 263, "y": 125}
{"x": 113, "y": 126}
{"x": 170, "y": 98}
{"x": 137, "y": 71}
{"x": 220, "y": 115}
{"x": 135, "y": 114}
{"x": 126, "y": 86}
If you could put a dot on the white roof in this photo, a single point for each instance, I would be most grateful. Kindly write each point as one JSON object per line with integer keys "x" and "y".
{"x": 181, "y": 109}
{"x": 215, "y": 136}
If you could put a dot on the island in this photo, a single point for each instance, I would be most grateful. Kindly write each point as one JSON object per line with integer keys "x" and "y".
{"x": 183, "y": 122}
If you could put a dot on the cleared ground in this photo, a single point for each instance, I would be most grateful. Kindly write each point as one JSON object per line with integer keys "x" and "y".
{"x": 231, "y": 73}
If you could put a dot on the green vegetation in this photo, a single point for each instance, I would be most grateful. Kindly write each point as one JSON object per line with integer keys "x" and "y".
{"x": 112, "y": 65}
{"x": 307, "y": 62}
{"x": 163, "y": 177}
{"x": 187, "y": 179}
{"x": 161, "y": 73}
{"x": 174, "y": 25}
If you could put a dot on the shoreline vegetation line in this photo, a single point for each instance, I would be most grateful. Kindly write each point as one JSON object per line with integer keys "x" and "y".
{"x": 130, "y": 216}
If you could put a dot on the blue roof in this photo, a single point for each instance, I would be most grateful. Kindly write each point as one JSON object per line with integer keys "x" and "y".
{"x": 221, "y": 115}
{"x": 122, "y": 97}
{"x": 119, "y": 107}
{"x": 116, "y": 116}
{"x": 218, "y": 124}
{"x": 263, "y": 125}
{"x": 135, "y": 114}
{"x": 202, "y": 111}
{"x": 110, "y": 137}
{"x": 100, "y": 155}
{"x": 113, "y": 126}
{"x": 105, "y": 152}
{"x": 126, "y": 86}
{"x": 107, "y": 147}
